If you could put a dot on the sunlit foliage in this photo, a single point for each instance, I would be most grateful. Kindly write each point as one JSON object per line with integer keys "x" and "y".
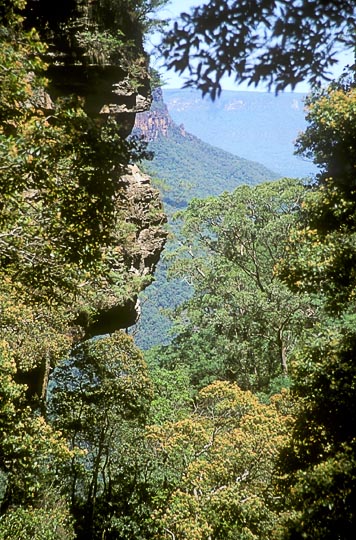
{"x": 220, "y": 461}
{"x": 320, "y": 462}
{"x": 242, "y": 323}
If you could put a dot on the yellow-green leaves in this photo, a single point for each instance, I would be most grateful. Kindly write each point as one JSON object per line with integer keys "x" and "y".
{"x": 51, "y": 522}
{"x": 221, "y": 463}
{"x": 62, "y": 208}
{"x": 322, "y": 253}
{"x": 319, "y": 463}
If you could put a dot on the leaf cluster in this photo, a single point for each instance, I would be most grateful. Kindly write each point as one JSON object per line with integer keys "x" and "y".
{"x": 222, "y": 466}
{"x": 275, "y": 43}
{"x": 61, "y": 200}
{"x": 318, "y": 466}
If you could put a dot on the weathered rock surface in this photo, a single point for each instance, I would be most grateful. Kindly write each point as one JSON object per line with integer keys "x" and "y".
{"x": 102, "y": 92}
{"x": 157, "y": 121}
{"x": 143, "y": 208}
{"x": 106, "y": 88}
{"x": 145, "y": 212}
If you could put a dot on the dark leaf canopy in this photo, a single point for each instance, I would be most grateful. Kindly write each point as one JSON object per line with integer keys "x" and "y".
{"x": 274, "y": 43}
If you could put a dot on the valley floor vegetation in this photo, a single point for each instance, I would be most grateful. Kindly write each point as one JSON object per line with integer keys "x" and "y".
{"x": 242, "y": 427}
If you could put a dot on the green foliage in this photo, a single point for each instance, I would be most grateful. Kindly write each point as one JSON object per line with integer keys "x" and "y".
{"x": 101, "y": 47}
{"x": 327, "y": 242}
{"x": 60, "y": 213}
{"x": 65, "y": 244}
{"x": 206, "y": 466}
{"x": 52, "y": 523}
{"x": 173, "y": 394}
{"x": 323, "y": 499}
{"x": 112, "y": 14}
{"x": 278, "y": 44}
{"x": 241, "y": 323}
{"x": 112, "y": 379}
{"x": 220, "y": 462}
{"x": 193, "y": 169}
{"x": 9, "y": 12}
{"x": 320, "y": 462}
{"x": 104, "y": 33}
{"x": 99, "y": 401}
{"x": 154, "y": 327}
{"x": 183, "y": 167}
{"x": 60, "y": 222}
{"x": 32, "y": 454}
{"x": 319, "y": 466}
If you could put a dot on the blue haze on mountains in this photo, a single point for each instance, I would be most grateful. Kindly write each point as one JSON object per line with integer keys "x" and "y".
{"x": 258, "y": 126}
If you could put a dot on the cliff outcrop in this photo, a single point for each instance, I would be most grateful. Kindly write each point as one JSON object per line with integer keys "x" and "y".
{"x": 157, "y": 122}
{"x": 97, "y": 55}
{"x": 144, "y": 212}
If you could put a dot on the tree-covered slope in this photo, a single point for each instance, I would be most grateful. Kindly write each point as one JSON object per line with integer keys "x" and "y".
{"x": 190, "y": 168}
{"x": 256, "y": 125}
{"x": 184, "y": 166}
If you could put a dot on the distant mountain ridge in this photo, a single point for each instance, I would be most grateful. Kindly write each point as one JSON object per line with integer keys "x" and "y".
{"x": 157, "y": 122}
{"x": 247, "y": 124}
{"x": 258, "y": 126}
{"x": 187, "y": 166}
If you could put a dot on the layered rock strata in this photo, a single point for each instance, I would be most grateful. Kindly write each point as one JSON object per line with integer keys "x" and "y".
{"x": 144, "y": 212}
{"x": 157, "y": 121}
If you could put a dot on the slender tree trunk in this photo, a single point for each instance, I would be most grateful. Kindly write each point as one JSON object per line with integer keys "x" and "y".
{"x": 282, "y": 351}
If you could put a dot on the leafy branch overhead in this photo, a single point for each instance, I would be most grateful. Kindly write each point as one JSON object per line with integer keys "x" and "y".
{"x": 275, "y": 43}
{"x": 63, "y": 216}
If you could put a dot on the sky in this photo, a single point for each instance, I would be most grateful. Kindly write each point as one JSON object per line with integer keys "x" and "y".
{"x": 173, "y": 80}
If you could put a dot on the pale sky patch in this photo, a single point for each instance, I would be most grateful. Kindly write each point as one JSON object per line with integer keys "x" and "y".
{"x": 173, "y": 80}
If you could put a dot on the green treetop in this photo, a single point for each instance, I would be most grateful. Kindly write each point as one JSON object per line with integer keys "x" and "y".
{"x": 319, "y": 465}
{"x": 242, "y": 322}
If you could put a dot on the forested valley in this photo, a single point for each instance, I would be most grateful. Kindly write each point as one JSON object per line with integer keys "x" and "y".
{"x": 242, "y": 426}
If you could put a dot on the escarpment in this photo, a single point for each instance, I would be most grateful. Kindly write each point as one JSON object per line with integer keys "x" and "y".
{"x": 157, "y": 121}
{"x": 144, "y": 214}
{"x": 83, "y": 228}
{"x": 97, "y": 55}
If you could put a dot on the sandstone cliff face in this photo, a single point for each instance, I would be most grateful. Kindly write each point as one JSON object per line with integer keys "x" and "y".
{"x": 119, "y": 87}
{"x": 79, "y": 63}
{"x": 157, "y": 121}
{"x": 144, "y": 213}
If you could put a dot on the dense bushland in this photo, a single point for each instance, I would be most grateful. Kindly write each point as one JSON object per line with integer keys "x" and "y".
{"x": 204, "y": 440}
